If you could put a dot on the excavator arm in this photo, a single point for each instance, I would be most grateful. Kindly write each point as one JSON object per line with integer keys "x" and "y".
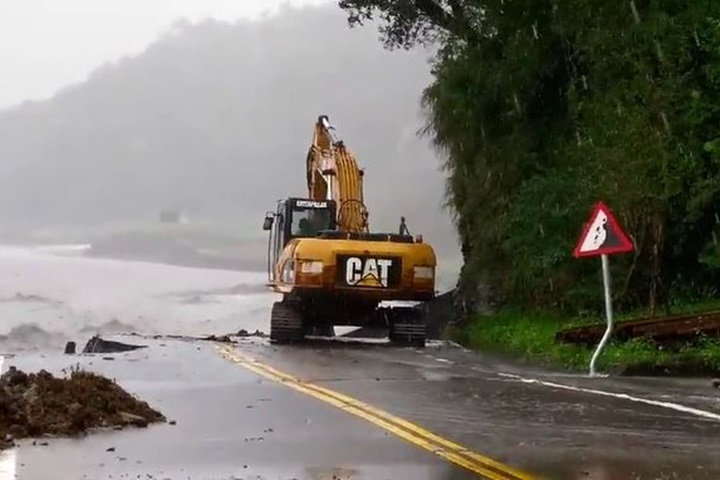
{"x": 333, "y": 174}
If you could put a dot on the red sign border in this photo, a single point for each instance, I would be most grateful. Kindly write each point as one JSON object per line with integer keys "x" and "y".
{"x": 626, "y": 245}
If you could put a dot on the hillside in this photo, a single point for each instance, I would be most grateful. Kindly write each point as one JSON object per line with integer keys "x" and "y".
{"x": 216, "y": 118}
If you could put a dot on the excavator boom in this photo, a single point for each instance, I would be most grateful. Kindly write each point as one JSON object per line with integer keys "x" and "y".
{"x": 333, "y": 174}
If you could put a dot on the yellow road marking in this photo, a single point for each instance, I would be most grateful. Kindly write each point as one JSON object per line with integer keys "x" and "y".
{"x": 444, "y": 448}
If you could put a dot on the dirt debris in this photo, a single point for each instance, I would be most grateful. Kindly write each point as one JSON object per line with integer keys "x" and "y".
{"x": 99, "y": 345}
{"x": 245, "y": 333}
{"x": 39, "y": 404}
{"x": 221, "y": 339}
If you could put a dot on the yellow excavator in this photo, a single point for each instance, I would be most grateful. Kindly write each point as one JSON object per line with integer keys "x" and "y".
{"x": 328, "y": 266}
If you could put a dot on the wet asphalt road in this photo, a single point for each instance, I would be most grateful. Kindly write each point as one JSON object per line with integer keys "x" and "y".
{"x": 233, "y": 423}
{"x": 550, "y": 432}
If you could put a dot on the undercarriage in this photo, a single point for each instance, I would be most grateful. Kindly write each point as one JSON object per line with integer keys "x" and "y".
{"x": 296, "y": 317}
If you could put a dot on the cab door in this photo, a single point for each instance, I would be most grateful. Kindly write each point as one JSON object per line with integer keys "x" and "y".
{"x": 275, "y": 223}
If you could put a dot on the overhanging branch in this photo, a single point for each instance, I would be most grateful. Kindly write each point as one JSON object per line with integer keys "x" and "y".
{"x": 453, "y": 21}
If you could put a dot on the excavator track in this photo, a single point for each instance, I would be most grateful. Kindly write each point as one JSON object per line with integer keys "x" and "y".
{"x": 286, "y": 323}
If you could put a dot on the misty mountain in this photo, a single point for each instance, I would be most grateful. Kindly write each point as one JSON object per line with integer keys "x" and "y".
{"x": 216, "y": 118}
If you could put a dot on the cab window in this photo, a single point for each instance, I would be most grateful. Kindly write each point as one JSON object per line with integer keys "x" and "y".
{"x": 309, "y": 222}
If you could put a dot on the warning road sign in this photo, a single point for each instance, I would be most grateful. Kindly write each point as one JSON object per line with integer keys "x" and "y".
{"x": 602, "y": 235}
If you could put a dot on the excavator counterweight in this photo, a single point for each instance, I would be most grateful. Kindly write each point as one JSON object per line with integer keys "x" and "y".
{"x": 330, "y": 268}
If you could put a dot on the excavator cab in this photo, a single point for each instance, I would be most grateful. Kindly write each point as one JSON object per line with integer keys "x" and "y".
{"x": 297, "y": 218}
{"x": 300, "y": 217}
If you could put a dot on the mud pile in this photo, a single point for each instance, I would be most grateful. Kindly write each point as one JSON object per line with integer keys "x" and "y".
{"x": 39, "y": 404}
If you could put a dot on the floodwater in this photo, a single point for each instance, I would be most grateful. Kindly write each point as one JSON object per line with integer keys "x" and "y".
{"x": 51, "y": 295}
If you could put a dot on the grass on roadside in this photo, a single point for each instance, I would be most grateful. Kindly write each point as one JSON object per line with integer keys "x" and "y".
{"x": 531, "y": 337}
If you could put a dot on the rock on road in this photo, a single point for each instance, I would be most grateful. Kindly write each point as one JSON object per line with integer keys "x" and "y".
{"x": 255, "y": 411}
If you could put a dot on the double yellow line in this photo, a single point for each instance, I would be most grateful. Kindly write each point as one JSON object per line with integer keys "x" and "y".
{"x": 444, "y": 448}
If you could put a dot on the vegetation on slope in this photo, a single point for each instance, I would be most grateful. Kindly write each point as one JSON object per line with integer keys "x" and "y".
{"x": 542, "y": 108}
{"x": 531, "y": 337}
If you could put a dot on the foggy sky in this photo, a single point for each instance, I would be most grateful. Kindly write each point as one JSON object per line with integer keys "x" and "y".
{"x": 47, "y": 44}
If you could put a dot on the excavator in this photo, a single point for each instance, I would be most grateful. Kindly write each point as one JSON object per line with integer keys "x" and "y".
{"x": 328, "y": 266}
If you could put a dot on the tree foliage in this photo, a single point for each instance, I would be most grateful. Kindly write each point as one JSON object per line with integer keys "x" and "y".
{"x": 542, "y": 107}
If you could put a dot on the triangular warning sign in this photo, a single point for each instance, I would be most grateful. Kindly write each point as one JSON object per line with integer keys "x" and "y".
{"x": 602, "y": 235}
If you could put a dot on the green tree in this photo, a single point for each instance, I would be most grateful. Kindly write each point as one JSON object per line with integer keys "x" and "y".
{"x": 541, "y": 107}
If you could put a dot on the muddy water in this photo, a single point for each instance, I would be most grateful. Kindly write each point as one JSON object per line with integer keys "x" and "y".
{"x": 49, "y": 296}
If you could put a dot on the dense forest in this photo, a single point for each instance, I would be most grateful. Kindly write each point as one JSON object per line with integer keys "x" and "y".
{"x": 543, "y": 107}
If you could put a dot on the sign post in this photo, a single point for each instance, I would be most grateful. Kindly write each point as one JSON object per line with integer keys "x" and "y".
{"x": 602, "y": 236}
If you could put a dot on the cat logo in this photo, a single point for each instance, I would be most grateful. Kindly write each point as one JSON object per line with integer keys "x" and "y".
{"x": 368, "y": 272}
